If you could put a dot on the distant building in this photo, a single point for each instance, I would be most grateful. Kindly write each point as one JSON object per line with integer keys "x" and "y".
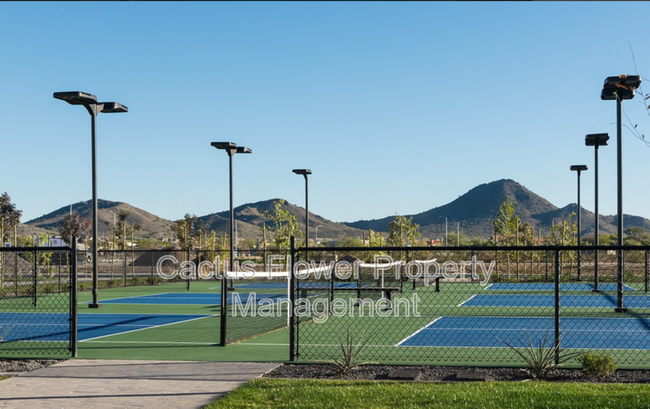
{"x": 56, "y": 241}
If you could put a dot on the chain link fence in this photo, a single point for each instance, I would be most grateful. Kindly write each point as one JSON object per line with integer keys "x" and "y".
{"x": 157, "y": 283}
{"x": 470, "y": 305}
{"x": 37, "y": 302}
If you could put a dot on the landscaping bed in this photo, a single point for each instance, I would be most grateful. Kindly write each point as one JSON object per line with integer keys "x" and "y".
{"x": 449, "y": 374}
{"x": 11, "y": 366}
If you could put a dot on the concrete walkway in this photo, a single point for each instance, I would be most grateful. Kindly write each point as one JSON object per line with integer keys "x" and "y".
{"x": 100, "y": 384}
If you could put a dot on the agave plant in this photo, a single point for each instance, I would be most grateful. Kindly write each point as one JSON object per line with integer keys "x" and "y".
{"x": 351, "y": 349}
{"x": 540, "y": 358}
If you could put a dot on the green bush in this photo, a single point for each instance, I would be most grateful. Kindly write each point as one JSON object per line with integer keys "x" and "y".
{"x": 599, "y": 365}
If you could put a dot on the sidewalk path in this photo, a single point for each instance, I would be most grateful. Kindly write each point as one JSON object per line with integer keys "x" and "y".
{"x": 100, "y": 384}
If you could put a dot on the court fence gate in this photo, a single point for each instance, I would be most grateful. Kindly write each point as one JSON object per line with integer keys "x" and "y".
{"x": 470, "y": 305}
{"x": 38, "y": 305}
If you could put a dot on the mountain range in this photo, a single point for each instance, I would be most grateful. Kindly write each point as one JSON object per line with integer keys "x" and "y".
{"x": 475, "y": 211}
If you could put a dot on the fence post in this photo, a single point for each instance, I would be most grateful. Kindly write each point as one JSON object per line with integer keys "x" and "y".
{"x": 189, "y": 258}
{"x": 292, "y": 299}
{"x": 73, "y": 299}
{"x": 35, "y": 278}
{"x": 646, "y": 270}
{"x": 557, "y": 307}
{"x": 224, "y": 310}
{"x": 16, "y": 271}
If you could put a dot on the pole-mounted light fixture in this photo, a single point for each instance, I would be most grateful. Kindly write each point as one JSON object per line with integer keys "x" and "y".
{"x": 231, "y": 149}
{"x": 89, "y": 101}
{"x": 619, "y": 88}
{"x": 596, "y": 140}
{"x": 305, "y": 173}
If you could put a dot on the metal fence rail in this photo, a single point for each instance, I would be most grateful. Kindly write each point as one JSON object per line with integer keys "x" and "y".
{"x": 469, "y": 305}
{"x": 37, "y": 301}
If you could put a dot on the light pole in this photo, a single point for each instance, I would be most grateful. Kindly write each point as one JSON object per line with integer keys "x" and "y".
{"x": 578, "y": 169}
{"x": 457, "y": 234}
{"x": 305, "y": 173}
{"x": 231, "y": 149}
{"x": 316, "y": 240}
{"x": 619, "y": 88}
{"x": 446, "y": 231}
{"x": 89, "y": 101}
{"x": 596, "y": 140}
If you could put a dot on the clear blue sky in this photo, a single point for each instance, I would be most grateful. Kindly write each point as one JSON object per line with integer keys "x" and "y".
{"x": 395, "y": 107}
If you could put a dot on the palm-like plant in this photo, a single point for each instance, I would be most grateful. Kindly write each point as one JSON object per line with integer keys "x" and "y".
{"x": 540, "y": 358}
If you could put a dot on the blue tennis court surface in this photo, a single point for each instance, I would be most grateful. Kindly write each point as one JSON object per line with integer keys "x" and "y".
{"x": 597, "y": 300}
{"x": 192, "y": 298}
{"x": 551, "y": 287}
{"x": 490, "y": 332}
{"x": 56, "y": 326}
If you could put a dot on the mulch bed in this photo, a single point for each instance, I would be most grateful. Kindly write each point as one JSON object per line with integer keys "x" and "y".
{"x": 24, "y": 365}
{"x": 448, "y": 374}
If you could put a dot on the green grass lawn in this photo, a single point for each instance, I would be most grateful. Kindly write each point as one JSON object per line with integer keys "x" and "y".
{"x": 264, "y": 393}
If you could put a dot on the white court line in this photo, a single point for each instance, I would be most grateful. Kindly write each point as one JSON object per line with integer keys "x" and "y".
{"x": 415, "y": 333}
{"x": 155, "y": 342}
{"x": 124, "y": 298}
{"x": 461, "y": 304}
{"x": 485, "y": 288}
{"x": 155, "y": 326}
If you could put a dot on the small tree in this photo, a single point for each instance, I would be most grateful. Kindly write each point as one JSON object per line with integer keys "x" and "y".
{"x": 184, "y": 231}
{"x": 506, "y": 222}
{"x": 506, "y": 226}
{"x": 402, "y": 232}
{"x": 74, "y": 225}
{"x": 9, "y": 219}
{"x": 121, "y": 228}
{"x": 376, "y": 239}
{"x": 564, "y": 234}
{"x": 284, "y": 225}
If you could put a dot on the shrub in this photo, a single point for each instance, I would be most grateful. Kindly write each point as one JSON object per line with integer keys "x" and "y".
{"x": 540, "y": 358}
{"x": 598, "y": 365}
{"x": 351, "y": 349}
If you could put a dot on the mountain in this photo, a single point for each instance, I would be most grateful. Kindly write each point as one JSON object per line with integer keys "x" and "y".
{"x": 250, "y": 217}
{"x": 151, "y": 225}
{"x": 477, "y": 209}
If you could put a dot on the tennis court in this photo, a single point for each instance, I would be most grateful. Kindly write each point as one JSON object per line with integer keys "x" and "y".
{"x": 600, "y": 300}
{"x": 493, "y": 332}
{"x": 462, "y": 319}
{"x": 551, "y": 287}
{"x": 26, "y": 327}
{"x": 464, "y": 315}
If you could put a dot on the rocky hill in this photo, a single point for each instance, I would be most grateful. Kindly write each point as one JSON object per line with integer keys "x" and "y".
{"x": 477, "y": 209}
{"x": 151, "y": 225}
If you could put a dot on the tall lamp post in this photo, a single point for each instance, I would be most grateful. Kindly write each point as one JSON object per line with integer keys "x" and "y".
{"x": 619, "y": 88}
{"x": 578, "y": 169}
{"x": 305, "y": 173}
{"x": 316, "y": 240}
{"x": 89, "y": 101}
{"x": 231, "y": 149}
{"x": 596, "y": 140}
